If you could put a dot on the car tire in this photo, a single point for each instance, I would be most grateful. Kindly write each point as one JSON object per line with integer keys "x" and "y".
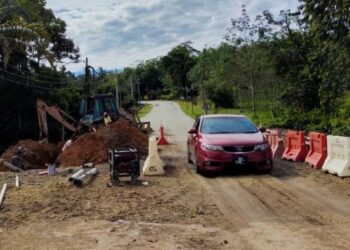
{"x": 189, "y": 156}
{"x": 198, "y": 170}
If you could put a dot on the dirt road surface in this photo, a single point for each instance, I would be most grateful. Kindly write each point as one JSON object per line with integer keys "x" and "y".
{"x": 295, "y": 207}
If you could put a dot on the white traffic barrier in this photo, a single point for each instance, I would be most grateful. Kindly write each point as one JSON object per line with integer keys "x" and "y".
{"x": 153, "y": 164}
{"x": 338, "y": 158}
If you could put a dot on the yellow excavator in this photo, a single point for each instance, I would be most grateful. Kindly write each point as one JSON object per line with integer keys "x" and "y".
{"x": 58, "y": 114}
{"x": 91, "y": 113}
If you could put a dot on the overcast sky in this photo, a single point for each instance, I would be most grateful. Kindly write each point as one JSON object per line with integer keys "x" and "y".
{"x": 119, "y": 33}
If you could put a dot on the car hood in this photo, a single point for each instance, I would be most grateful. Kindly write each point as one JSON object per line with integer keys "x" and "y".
{"x": 233, "y": 139}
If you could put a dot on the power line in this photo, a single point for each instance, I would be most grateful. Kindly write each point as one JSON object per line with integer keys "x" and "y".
{"x": 39, "y": 75}
{"x": 34, "y": 80}
{"x": 38, "y": 87}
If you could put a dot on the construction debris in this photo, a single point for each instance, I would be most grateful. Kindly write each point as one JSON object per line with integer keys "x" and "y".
{"x": 8, "y": 165}
{"x": 17, "y": 181}
{"x": 78, "y": 181}
{"x": 77, "y": 174}
{"x": 2, "y": 194}
{"x": 29, "y": 154}
{"x": 87, "y": 170}
{"x": 90, "y": 147}
{"x": 93, "y": 147}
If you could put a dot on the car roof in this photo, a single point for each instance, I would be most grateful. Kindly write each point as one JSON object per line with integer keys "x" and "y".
{"x": 222, "y": 115}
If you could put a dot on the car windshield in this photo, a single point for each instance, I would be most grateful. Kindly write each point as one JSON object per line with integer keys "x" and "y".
{"x": 227, "y": 125}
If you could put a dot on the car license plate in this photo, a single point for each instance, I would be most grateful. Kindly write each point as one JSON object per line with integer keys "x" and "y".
{"x": 240, "y": 161}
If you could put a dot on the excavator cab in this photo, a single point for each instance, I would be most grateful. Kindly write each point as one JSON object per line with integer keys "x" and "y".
{"x": 93, "y": 107}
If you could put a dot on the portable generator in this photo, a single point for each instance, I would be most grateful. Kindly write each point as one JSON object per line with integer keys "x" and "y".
{"x": 123, "y": 162}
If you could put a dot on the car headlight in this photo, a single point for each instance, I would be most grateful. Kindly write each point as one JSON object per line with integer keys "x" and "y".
{"x": 212, "y": 147}
{"x": 261, "y": 147}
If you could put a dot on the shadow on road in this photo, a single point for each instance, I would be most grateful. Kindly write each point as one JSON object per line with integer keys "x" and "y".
{"x": 281, "y": 169}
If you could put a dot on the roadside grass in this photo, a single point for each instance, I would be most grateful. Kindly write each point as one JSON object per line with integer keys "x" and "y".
{"x": 193, "y": 111}
{"x": 263, "y": 118}
{"x": 146, "y": 108}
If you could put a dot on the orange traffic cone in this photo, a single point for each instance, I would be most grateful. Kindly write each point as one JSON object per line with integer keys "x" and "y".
{"x": 162, "y": 140}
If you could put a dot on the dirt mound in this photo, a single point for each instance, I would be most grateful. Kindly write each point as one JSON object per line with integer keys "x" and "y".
{"x": 93, "y": 147}
{"x": 34, "y": 152}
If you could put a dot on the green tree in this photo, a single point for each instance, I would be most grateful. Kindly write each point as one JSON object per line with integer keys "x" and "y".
{"x": 177, "y": 63}
{"x": 252, "y": 65}
{"x": 329, "y": 23}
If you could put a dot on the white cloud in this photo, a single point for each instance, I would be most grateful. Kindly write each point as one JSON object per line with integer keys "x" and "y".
{"x": 115, "y": 34}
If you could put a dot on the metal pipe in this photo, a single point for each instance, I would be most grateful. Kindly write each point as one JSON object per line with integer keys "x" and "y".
{"x": 10, "y": 166}
{"x": 17, "y": 181}
{"x": 74, "y": 176}
{"x": 43, "y": 172}
{"x": 78, "y": 181}
{"x": 2, "y": 194}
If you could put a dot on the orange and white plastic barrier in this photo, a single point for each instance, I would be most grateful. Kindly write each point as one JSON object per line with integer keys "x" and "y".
{"x": 296, "y": 149}
{"x": 338, "y": 159}
{"x": 318, "y": 150}
{"x": 276, "y": 143}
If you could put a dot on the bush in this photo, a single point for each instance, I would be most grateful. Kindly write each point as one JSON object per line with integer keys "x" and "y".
{"x": 340, "y": 122}
{"x": 314, "y": 120}
{"x": 170, "y": 96}
{"x": 221, "y": 97}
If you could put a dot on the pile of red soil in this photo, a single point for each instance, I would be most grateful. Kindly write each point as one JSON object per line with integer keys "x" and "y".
{"x": 93, "y": 147}
{"x": 34, "y": 152}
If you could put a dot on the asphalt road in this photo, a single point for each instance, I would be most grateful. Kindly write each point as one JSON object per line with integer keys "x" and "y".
{"x": 175, "y": 122}
{"x": 294, "y": 207}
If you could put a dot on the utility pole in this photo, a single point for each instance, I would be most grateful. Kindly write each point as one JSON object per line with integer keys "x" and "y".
{"x": 138, "y": 88}
{"x": 205, "y": 104}
{"x": 87, "y": 86}
{"x": 132, "y": 87}
{"x": 87, "y": 74}
{"x": 117, "y": 94}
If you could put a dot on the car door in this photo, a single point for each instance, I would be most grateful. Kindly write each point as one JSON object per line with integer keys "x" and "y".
{"x": 192, "y": 138}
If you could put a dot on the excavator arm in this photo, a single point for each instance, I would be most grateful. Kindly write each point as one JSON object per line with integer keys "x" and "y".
{"x": 56, "y": 113}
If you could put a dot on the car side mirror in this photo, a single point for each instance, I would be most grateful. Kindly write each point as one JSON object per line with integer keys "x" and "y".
{"x": 262, "y": 130}
{"x": 192, "y": 131}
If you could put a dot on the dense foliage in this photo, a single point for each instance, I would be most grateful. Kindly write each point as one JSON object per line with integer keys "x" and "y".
{"x": 30, "y": 38}
{"x": 292, "y": 69}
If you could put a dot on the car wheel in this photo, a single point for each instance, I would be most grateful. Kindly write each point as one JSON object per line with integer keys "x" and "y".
{"x": 189, "y": 156}
{"x": 198, "y": 170}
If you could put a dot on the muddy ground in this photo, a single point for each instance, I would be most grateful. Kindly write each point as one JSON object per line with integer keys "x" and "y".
{"x": 294, "y": 207}
{"x": 50, "y": 212}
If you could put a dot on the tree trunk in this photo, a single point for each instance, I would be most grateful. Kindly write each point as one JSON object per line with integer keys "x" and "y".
{"x": 253, "y": 98}
{"x": 252, "y": 85}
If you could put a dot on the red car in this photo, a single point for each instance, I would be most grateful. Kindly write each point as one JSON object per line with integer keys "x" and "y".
{"x": 216, "y": 142}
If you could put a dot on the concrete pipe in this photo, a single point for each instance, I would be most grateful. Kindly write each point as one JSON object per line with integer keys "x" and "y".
{"x": 2, "y": 194}
{"x": 80, "y": 179}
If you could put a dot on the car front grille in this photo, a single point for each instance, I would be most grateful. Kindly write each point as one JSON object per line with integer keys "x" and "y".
{"x": 237, "y": 149}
